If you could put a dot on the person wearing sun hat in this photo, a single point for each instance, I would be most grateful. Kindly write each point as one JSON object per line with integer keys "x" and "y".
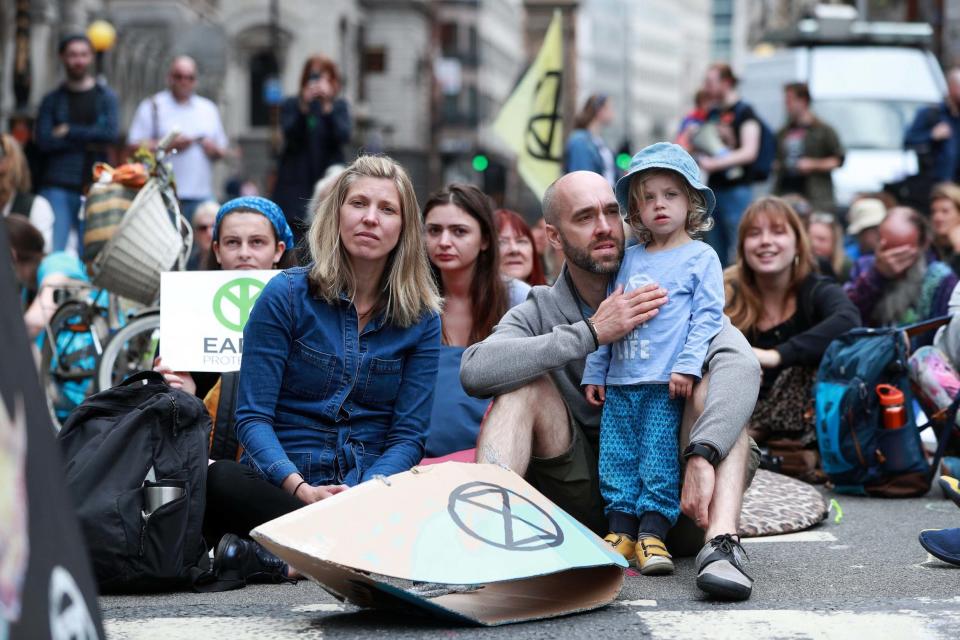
{"x": 643, "y": 379}
{"x": 863, "y": 224}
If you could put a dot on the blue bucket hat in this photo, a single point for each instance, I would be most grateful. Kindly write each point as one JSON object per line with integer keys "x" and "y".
{"x": 663, "y": 155}
{"x": 268, "y": 208}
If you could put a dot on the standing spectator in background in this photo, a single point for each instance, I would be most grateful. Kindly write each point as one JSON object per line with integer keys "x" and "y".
{"x": 899, "y": 285}
{"x": 585, "y": 149}
{"x": 75, "y": 123}
{"x": 935, "y": 135}
{"x": 808, "y": 149}
{"x": 316, "y": 125}
{"x": 863, "y": 226}
{"x": 200, "y": 140}
{"x": 945, "y": 220}
{"x": 16, "y": 193}
{"x": 826, "y": 243}
{"x": 518, "y": 255}
{"x": 740, "y": 131}
{"x": 693, "y": 120}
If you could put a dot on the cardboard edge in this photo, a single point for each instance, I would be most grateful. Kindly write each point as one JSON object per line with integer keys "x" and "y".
{"x": 549, "y": 595}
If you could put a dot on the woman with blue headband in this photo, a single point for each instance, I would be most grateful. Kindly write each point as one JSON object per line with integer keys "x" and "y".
{"x": 249, "y": 233}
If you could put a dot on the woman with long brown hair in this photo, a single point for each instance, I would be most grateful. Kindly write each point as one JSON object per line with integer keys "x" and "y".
{"x": 789, "y": 313}
{"x": 462, "y": 243}
{"x": 316, "y": 125}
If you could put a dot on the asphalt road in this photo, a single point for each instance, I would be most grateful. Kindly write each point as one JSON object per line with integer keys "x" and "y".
{"x": 865, "y": 577}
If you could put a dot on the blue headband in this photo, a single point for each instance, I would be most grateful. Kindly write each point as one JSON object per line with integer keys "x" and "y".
{"x": 268, "y": 208}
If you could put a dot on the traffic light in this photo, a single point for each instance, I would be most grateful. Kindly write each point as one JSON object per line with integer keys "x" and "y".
{"x": 624, "y": 155}
{"x": 480, "y": 162}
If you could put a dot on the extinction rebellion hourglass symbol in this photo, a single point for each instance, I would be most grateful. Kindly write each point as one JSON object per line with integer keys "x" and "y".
{"x": 474, "y": 502}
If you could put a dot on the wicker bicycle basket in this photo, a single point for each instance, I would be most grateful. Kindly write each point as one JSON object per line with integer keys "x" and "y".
{"x": 147, "y": 242}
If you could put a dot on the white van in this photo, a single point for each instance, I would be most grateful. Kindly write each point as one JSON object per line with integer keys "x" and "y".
{"x": 867, "y": 83}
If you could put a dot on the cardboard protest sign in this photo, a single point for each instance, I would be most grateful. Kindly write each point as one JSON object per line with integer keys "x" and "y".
{"x": 479, "y": 526}
{"x": 202, "y": 315}
{"x": 46, "y": 584}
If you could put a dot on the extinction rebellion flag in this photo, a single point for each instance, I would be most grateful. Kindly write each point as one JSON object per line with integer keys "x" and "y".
{"x": 531, "y": 122}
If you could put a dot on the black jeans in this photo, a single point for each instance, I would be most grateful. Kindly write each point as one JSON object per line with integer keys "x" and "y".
{"x": 239, "y": 500}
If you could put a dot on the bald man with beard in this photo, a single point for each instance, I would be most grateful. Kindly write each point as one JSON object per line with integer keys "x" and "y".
{"x": 541, "y": 426}
{"x": 902, "y": 283}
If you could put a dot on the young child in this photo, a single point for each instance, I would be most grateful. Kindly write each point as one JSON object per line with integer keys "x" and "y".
{"x": 643, "y": 379}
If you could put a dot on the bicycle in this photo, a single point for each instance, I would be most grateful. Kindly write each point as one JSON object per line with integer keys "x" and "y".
{"x": 91, "y": 345}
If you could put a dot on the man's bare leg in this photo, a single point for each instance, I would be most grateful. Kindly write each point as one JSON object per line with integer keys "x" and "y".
{"x": 530, "y": 421}
{"x": 721, "y": 562}
{"x": 728, "y": 490}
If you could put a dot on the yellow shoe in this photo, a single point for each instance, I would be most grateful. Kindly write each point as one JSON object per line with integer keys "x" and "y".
{"x": 653, "y": 559}
{"x": 951, "y": 488}
{"x": 622, "y": 544}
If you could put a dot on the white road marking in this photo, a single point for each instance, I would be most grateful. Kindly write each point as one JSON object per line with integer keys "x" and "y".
{"x": 802, "y": 536}
{"x": 315, "y": 608}
{"x": 211, "y": 628}
{"x": 637, "y": 603}
{"x": 809, "y": 625}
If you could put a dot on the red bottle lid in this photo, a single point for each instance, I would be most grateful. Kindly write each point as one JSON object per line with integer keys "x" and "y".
{"x": 890, "y": 396}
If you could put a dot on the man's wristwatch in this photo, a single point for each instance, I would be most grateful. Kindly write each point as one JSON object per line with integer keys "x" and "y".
{"x": 705, "y": 451}
{"x": 593, "y": 331}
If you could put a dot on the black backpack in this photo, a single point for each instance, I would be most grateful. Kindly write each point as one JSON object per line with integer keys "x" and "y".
{"x": 136, "y": 467}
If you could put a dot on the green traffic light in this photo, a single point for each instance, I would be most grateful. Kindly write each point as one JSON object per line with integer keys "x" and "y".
{"x": 480, "y": 162}
{"x": 623, "y": 161}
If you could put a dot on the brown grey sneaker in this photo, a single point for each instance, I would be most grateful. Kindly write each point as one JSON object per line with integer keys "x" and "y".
{"x": 721, "y": 569}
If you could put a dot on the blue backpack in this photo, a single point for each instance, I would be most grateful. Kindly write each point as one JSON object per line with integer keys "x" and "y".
{"x": 858, "y": 454}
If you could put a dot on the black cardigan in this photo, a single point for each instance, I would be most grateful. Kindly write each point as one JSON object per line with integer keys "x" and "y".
{"x": 824, "y": 312}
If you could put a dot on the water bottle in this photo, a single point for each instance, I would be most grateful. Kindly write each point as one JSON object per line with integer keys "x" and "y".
{"x": 892, "y": 406}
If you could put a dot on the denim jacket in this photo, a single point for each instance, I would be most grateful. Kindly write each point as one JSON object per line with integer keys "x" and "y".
{"x": 319, "y": 399}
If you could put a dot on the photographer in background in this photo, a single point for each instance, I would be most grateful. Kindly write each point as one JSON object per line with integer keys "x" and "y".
{"x": 316, "y": 125}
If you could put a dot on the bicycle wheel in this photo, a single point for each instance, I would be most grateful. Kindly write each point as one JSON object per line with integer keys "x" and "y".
{"x": 129, "y": 350}
{"x": 69, "y": 354}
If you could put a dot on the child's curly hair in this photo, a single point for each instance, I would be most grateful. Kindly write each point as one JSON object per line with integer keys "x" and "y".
{"x": 698, "y": 220}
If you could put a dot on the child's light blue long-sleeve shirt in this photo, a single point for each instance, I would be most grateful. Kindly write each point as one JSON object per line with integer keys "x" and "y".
{"x": 676, "y": 339}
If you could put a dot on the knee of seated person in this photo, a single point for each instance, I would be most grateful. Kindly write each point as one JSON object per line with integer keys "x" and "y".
{"x": 220, "y": 474}
{"x": 537, "y": 389}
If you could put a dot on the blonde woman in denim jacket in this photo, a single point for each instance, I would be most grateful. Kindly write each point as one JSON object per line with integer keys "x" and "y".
{"x": 339, "y": 366}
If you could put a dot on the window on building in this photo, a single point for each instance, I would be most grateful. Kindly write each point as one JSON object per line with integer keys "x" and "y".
{"x": 263, "y": 67}
{"x": 448, "y": 39}
{"x": 472, "y": 55}
{"x": 450, "y": 110}
{"x": 374, "y": 60}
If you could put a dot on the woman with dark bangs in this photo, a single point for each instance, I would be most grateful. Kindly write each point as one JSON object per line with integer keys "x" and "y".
{"x": 462, "y": 243}
{"x": 518, "y": 255}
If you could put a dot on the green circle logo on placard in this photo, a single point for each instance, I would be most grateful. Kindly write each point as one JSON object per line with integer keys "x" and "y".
{"x": 233, "y": 302}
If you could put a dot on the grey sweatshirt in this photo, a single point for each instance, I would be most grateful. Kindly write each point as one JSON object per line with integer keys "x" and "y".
{"x": 547, "y": 334}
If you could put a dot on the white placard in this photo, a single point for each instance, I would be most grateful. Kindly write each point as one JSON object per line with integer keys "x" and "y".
{"x": 202, "y": 315}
